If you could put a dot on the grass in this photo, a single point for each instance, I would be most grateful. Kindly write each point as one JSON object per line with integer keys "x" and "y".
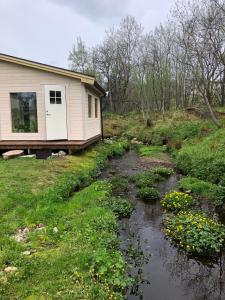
{"x": 213, "y": 192}
{"x": 82, "y": 255}
{"x": 173, "y": 129}
{"x": 204, "y": 160}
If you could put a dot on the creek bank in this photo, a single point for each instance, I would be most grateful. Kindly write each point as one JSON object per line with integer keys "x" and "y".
{"x": 161, "y": 270}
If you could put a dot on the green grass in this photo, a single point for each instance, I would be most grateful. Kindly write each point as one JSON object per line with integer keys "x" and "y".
{"x": 172, "y": 129}
{"x": 144, "y": 150}
{"x": 80, "y": 261}
{"x": 204, "y": 160}
{"x": 213, "y": 192}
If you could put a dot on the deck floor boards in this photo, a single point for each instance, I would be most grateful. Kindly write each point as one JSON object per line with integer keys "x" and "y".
{"x": 62, "y": 144}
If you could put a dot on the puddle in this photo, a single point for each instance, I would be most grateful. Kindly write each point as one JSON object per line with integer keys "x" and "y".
{"x": 164, "y": 273}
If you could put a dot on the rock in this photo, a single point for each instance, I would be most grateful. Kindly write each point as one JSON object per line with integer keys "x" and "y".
{"x": 28, "y": 156}
{"x": 12, "y": 154}
{"x": 11, "y": 269}
{"x": 62, "y": 153}
{"x": 21, "y": 235}
{"x": 55, "y": 154}
{"x": 40, "y": 226}
{"x": 26, "y": 253}
{"x": 55, "y": 230}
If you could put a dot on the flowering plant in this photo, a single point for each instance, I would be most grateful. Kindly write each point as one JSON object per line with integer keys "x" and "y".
{"x": 176, "y": 201}
{"x": 195, "y": 233}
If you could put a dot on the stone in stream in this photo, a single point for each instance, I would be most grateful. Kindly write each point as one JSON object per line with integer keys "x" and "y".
{"x": 12, "y": 154}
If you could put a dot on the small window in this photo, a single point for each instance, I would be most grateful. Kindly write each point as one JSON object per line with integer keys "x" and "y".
{"x": 55, "y": 97}
{"x": 89, "y": 106}
{"x": 24, "y": 112}
{"x": 96, "y": 108}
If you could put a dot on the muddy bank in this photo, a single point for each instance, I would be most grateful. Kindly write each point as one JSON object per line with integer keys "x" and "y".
{"x": 162, "y": 272}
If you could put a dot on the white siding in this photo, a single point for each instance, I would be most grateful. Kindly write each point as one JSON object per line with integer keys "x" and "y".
{"x": 15, "y": 78}
{"x": 92, "y": 126}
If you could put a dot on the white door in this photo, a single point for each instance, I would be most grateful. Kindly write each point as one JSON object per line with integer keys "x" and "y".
{"x": 55, "y": 109}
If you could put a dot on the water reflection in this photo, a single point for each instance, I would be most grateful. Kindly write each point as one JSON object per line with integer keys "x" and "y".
{"x": 163, "y": 272}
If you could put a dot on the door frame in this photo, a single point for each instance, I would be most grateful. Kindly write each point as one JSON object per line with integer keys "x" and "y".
{"x": 47, "y": 88}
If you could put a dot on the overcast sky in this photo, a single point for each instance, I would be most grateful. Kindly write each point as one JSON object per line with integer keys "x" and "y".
{"x": 44, "y": 30}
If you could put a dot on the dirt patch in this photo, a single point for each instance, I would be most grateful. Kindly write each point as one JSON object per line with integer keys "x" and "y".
{"x": 156, "y": 162}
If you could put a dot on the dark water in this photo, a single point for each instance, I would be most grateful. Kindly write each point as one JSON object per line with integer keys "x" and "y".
{"x": 163, "y": 272}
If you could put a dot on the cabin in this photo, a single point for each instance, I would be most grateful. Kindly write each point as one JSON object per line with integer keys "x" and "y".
{"x": 46, "y": 107}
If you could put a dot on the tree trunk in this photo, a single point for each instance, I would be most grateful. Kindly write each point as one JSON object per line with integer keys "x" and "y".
{"x": 213, "y": 117}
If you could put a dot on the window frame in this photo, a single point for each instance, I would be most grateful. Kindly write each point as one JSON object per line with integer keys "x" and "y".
{"x": 56, "y": 98}
{"x": 96, "y": 107}
{"x": 11, "y": 94}
{"x": 90, "y": 106}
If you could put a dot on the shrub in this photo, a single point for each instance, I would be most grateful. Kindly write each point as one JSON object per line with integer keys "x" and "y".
{"x": 144, "y": 179}
{"x": 175, "y": 201}
{"x": 119, "y": 185}
{"x": 203, "y": 188}
{"x": 164, "y": 172}
{"x": 204, "y": 160}
{"x": 195, "y": 233}
{"x": 121, "y": 207}
{"x": 148, "y": 194}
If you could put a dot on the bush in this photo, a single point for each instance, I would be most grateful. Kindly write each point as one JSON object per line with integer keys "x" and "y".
{"x": 164, "y": 172}
{"x": 203, "y": 188}
{"x": 195, "y": 233}
{"x": 204, "y": 160}
{"x": 121, "y": 207}
{"x": 175, "y": 201}
{"x": 119, "y": 185}
{"x": 144, "y": 179}
{"x": 148, "y": 194}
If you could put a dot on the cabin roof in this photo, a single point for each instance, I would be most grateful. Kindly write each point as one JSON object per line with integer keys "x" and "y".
{"x": 85, "y": 78}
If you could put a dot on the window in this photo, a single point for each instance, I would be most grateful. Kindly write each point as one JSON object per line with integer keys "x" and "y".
{"x": 24, "y": 112}
{"x": 55, "y": 97}
{"x": 89, "y": 106}
{"x": 96, "y": 108}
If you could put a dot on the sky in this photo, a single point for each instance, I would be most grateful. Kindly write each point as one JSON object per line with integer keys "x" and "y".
{"x": 45, "y": 30}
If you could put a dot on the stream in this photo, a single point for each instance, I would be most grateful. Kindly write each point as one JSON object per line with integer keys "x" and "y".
{"x": 162, "y": 271}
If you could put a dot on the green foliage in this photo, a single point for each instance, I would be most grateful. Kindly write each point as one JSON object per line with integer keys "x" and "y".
{"x": 144, "y": 179}
{"x": 120, "y": 206}
{"x": 176, "y": 201}
{"x": 162, "y": 171}
{"x": 119, "y": 185}
{"x": 195, "y": 233}
{"x": 149, "y": 177}
{"x": 203, "y": 188}
{"x": 144, "y": 150}
{"x": 172, "y": 129}
{"x": 204, "y": 160}
{"x": 36, "y": 191}
{"x": 148, "y": 194}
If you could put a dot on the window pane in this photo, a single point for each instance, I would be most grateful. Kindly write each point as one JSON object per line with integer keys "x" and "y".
{"x": 58, "y": 101}
{"x": 96, "y": 107}
{"x": 89, "y": 106}
{"x": 58, "y": 94}
{"x": 52, "y": 94}
{"x": 24, "y": 112}
{"x": 52, "y": 100}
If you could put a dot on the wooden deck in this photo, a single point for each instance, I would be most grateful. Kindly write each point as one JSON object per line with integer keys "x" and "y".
{"x": 59, "y": 145}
